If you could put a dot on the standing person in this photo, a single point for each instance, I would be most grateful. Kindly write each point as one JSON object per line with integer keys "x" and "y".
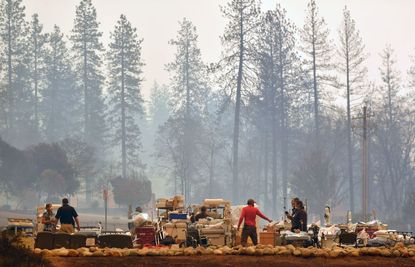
{"x": 293, "y": 210}
{"x": 48, "y": 219}
{"x": 67, "y": 216}
{"x": 131, "y": 227}
{"x": 299, "y": 221}
{"x": 248, "y": 215}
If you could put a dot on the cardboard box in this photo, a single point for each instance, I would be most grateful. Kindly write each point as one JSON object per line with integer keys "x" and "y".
{"x": 176, "y": 230}
{"x": 216, "y": 240}
{"x": 161, "y": 203}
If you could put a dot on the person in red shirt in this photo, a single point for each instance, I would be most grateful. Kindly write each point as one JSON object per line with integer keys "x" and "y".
{"x": 248, "y": 215}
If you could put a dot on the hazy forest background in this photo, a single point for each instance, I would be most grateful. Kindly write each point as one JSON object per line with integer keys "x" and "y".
{"x": 279, "y": 115}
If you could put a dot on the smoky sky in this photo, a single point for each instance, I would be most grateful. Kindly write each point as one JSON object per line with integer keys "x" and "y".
{"x": 380, "y": 22}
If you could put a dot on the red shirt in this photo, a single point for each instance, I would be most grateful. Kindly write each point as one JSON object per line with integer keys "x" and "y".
{"x": 249, "y": 213}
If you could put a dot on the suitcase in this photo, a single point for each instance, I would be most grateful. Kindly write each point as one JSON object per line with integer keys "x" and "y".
{"x": 115, "y": 241}
{"x": 44, "y": 240}
{"x": 61, "y": 240}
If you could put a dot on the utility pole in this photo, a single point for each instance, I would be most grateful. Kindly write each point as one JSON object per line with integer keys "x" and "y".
{"x": 105, "y": 196}
{"x": 364, "y": 165}
{"x": 365, "y": 161}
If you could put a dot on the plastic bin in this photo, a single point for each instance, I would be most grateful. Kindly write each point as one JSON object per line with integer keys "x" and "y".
{"x": 177, "y": 216}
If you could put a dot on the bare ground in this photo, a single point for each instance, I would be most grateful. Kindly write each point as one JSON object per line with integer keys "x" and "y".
{"x": 229, "y": 260}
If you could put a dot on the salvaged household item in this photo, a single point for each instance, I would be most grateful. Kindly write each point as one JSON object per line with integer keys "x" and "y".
{"x": 270, "y": 238}
{"x": 177, "y": 230}
{"x": 145, "y": 235}
{"x": 220, "y": 230}
{"x": 115, "y": 240}
{"x": 20, "y": 226}
{"x": 61, "y": 240}
{"x": 44, "y": 240}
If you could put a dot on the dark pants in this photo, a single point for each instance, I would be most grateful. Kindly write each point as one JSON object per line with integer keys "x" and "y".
{"x": 251, "y": 232}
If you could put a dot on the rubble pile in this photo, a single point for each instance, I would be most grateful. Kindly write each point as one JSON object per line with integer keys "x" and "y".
{"x": 399, "y": 250}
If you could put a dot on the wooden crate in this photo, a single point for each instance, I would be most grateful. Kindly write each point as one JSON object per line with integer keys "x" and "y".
{"x": 269, "y": 238}
{"x": 216, "y": 240}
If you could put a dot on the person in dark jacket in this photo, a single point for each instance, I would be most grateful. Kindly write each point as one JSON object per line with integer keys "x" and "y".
{"x": 293, "y": 205}
{"x": 67, "y": 216}
{"x": 299, "y": 218}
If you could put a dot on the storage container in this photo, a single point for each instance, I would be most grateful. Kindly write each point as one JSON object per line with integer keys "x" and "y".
{"x": 145, "y": 235}
{"x": 269, "y": 238}
{"x": 216, "y": 240}
{"x": 177, "y": 216}
{"x": 176, "y": 230}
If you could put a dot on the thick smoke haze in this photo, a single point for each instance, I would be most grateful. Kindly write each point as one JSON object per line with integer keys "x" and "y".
{"x": 231, "y": 99}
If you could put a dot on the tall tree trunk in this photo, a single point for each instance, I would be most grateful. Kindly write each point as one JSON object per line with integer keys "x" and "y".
{"x": 86, "y": 126}
{"x": 284, "y": 141}
{"x": 266, "y": 167}
{"x": 85, "y": 78}
{"x": 284, "y": 147}
{"x": 260, "y": 155}
{"x": 36, "y": 84}
{"x": 235, "y": 182}
{"x": 9, "y": 71}
{"x": 349, "y": 129}
{"x": 52, "y": 127}
{"x": 123, "y": 130}
{"x": 211, "y": 168}
{"x": 187, "y": 143}
{"x": 316, "y": 112}
{"x": 389, "y": 97}
{"x": 274, "y": 162}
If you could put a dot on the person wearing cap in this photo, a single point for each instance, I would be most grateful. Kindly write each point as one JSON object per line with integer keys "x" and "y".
{"x": 138, "y": 210}
{"x": 248, "y": 215}
{"x": 67, "y": 216}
